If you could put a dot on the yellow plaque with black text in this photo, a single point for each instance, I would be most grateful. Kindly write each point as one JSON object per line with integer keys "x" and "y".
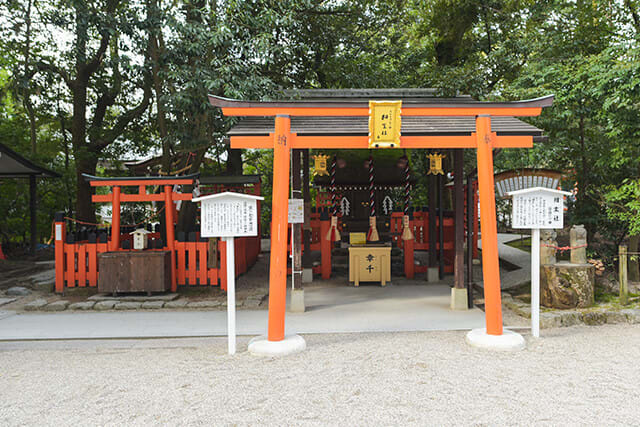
{"x": 385, "y": 124}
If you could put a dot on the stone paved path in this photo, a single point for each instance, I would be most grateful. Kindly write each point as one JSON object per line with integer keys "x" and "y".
{"x": 517, "y": 257}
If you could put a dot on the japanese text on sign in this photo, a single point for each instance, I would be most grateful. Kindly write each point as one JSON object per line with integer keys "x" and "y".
{"x": 384, "y": 124}
{"x": 229, "y": 217}
{"x": 538, "y": 210}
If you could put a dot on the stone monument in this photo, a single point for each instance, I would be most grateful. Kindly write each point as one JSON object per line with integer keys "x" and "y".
{"x": 578, "y": 243}
{"x": 567, "y": 284}
{"x": 548, "y": 246}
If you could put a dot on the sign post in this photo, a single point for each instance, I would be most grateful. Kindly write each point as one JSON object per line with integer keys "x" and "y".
{"x": 296, "y": 216}
{"x": 229, "y": 215}
{"x": 537, "y": 208}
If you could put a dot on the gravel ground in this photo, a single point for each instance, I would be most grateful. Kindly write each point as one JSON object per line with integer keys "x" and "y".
{"x": 571, "y": 376}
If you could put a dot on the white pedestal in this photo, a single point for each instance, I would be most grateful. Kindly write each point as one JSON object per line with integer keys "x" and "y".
{"x": 307, "y": 275}
{"x": 459, "y": 299}
{"x": 508, "y": 341}
{"x": 260, "y": 346}
{"x": 433, "y": 274}
{"x": 297, "y": 301}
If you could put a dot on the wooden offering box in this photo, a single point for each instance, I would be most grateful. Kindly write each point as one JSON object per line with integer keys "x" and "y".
{"x": 370, "y": 263}
{"x": 133, "y": 271}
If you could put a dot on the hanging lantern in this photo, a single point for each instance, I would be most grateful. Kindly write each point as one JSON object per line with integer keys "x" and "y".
{"x": 435, "y": 163}
{"x": 320, "y": 165}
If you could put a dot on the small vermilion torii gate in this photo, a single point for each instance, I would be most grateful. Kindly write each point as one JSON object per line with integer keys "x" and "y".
{"x": 282, "y": 140}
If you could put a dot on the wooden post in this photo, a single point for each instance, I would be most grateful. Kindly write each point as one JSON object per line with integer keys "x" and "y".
{"x": 115, "y": 219}
{"x": 470, "y": 238}
{"x": 60, "y": 234}
{"x": 622, "y": 275}
{"x": 432, "y": 220}
{"x": 440, "y": 227}
{"x": 296, "y": 242}
{"x": 458, "y": 190}
{"x": 325, "y": 245}
{"x": 279, "y": 221}
{"x": 409, "y": 262}
{"x": 490, "y": 263}
{"x": 306, "y": 194}
{"x": 33, "y": 213}
{"x": 171, "y": 240}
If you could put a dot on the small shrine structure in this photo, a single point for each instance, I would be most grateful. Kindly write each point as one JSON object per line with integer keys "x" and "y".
{"x": 379, "y": 120}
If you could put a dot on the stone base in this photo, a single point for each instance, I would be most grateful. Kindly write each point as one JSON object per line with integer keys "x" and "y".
{"x": 564, "y": 285}
{"x": 433, "y": 274}
{"x": 261, "y": 346}
{"x": 307, "y": 275}
{"x": 459, "y": 299}
{"x": 297, "y": 301}
{"x": 508, "y": 341}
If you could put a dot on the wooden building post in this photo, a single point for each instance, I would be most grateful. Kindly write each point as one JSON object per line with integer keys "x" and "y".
{"x": 171, "y": 239}
{"x": 458, "y": 292}
{"x": 115, "y": 218}
{"x": 441, "y": 226}
{"x": 279, "y": 229}
{"x": 296, "y": 262}
{"x": 33, "y": 213}
{"x": 490, "y": 264}
{"x": 307, "y": 262}
{"x": 471, "y": 221}
{"x": 60, "y": 235}
{"x": 432, "y": 271}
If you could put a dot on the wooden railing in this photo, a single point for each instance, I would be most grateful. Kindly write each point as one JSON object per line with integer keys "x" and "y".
{"x": 77, "y": 262}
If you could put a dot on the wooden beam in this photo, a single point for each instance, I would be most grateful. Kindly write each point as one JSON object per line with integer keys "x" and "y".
{"x": 357, "y": 111}
{"x": 138, "y": 183}
{"x": 362, "y": 141}
{"x": 107, "y": 198}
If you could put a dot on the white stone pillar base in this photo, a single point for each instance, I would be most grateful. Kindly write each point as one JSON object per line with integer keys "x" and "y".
{"x": 433, "y": 274}
{"x": 261, "y": 346}
{"x": 307, "y": 275}
{"x": 508, "y": 341}
{"x": 296, "y": 304}
{"x": 459, "y": 299}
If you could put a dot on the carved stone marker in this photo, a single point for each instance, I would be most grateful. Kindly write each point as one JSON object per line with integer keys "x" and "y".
{"x": 547, "y": 249}
{"x": 565, "y": 285}
{"x": 578, "y": 241}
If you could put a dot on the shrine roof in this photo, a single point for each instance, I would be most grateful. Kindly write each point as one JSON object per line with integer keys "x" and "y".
{"x": 13, "y": 165}
{"x": 230, "y": 179}
{"x": 359, "y": 125}
{"x": 353, "y": 126}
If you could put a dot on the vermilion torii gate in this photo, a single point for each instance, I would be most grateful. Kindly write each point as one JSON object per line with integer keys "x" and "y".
{"x": 282, "y": 140}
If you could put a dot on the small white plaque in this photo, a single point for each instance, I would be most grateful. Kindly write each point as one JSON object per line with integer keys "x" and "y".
{"x": 538, "y": 208}
{"x": 296, "y": 211}
{"x": 58, "y": 231}
{"x": 228, "y": 215}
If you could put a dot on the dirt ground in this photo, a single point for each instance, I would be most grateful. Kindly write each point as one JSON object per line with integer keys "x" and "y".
{"x": 571, "y": 376}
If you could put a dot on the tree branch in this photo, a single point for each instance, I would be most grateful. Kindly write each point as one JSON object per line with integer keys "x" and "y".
{"x": 124, "y": 119}
{"x": 45, "y": 66}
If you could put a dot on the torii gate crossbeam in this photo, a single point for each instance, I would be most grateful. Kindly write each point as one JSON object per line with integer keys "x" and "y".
{"x": 283, "y": 140}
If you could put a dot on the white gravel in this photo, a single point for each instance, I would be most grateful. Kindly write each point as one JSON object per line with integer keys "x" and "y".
{"x": 572, "y": 376}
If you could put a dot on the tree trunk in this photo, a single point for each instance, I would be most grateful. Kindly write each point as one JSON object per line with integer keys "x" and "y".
{"x": 634, "y": 265}
{"x": 85, "y": 161}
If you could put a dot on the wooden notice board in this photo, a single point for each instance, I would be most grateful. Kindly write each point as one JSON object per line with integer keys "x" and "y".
{"x": 370, "y": 263}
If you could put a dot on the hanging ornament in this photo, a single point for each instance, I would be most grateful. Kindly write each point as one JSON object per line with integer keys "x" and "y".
{"x": 320, "y": 165}
{"x": 372, "y": 235}
{"x": 406, "y": 225}
{"x": 435, "y": 163}
{"x": 345, "y": 207}
{"x": 387, "y": 205}
{"x": 333, "y": 235}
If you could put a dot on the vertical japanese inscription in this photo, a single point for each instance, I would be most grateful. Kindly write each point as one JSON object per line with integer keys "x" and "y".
{"x": 385, "y": 124}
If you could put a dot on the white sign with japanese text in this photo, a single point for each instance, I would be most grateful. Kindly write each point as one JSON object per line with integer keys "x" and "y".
{"x": 537, "y": 208}
{"x": 228, "y": 215}
{"x": 296, "y": 211}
